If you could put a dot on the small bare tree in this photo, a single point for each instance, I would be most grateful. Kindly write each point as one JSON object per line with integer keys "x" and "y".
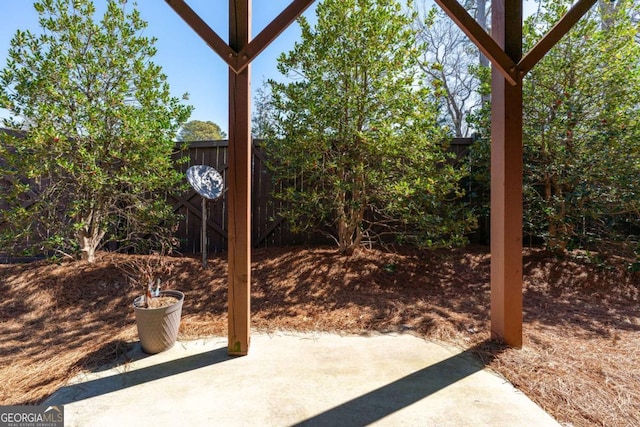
{"x": 449, "y": 62}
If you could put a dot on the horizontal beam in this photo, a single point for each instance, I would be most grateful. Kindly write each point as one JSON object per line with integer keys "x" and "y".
{"x": 479, "y": 36}
{"x": 554, "y": 35}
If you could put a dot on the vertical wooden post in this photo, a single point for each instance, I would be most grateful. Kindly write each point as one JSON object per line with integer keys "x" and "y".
{"x": 239, "y": 185}
{"x": 506, "y": 180}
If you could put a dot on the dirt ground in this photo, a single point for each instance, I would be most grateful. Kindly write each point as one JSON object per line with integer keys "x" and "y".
{"x": 580, "y": 360}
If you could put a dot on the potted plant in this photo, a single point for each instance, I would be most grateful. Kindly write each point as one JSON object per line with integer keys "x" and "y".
{"x": 157, "y": 311}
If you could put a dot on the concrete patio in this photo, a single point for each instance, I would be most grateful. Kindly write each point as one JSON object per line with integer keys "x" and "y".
{"x": 299, "y": 379}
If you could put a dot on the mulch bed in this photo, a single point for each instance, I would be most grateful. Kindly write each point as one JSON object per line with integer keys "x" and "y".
{"x": 580, "y": 360}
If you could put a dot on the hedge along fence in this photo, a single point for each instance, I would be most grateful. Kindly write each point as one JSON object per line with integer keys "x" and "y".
{"x": 268, "y": 228}
{"x": 27, "y": 199}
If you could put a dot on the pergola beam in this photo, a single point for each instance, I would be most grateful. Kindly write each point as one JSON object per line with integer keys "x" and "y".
{"x": 483, "y": 41}
{"x": 238, "y": 60}
{"x": 504, "y": 50}
{"x": 562, "y": 27}
{"x": 506, "y": 146}
{"x": 239, "y": 185}
{"x": 210, "y": 37}
{"x": 506, "y": 180}
{"x": 271, "y": 32}
{"x": 238, "y": 54}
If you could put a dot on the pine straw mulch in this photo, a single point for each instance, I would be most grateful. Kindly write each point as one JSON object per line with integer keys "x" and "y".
{"x": 580, "y": 360}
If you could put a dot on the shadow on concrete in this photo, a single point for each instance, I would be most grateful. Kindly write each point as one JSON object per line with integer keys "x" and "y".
{"x": 100, "y": 386}
{"x": 386, "y": 400}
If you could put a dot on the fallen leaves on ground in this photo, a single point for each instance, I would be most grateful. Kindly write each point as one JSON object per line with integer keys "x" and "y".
{"x": 580, "y": 359}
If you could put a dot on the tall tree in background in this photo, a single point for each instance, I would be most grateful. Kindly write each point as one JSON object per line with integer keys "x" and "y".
{"x": 99, "y": 122}
{"x": 357, "y": 132}
{"x": 262, "y": 112}
{"x": 452, "y": 63}
{"x": 198, "y": 130}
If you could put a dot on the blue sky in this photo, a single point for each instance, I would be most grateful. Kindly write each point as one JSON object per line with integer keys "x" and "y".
{"x": 190, "y": 65}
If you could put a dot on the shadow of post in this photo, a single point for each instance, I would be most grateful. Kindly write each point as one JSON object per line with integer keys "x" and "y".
{"x": 377, "y": 404}
{"x": 97, "y": 387}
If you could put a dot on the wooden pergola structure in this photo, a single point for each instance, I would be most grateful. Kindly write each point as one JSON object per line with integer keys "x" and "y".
{"x": 503, "y": 48}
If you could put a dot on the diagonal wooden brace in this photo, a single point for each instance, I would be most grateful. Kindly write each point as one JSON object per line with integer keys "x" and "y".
{"x": 479, "y": 36}
{"x": 554, "y": 35}
{"x": 271, "y": 32}
{"x": 210, "y": 37}
{"x": 238, "y": 61}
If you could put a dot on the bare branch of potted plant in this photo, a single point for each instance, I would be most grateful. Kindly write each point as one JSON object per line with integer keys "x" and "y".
{"x": 157, "y": 311}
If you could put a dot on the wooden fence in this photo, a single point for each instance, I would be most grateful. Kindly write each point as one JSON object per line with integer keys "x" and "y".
{"x": 268, "y": 229}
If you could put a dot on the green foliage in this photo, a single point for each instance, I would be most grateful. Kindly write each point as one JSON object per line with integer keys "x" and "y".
{"x": 356, "y": 133}
{"x": 581, "y": 129}
{"x": 581, "y": 138}
{"x": 99, "y": 121}
{"x": 197, "y": 130}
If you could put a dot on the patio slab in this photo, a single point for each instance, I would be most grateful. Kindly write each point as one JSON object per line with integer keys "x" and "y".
{"x": 288, "y": 379}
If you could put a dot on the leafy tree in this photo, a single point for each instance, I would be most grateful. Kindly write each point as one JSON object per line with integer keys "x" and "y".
{"x": 356, "y": 132}
{"x": 99, "y": 122}
{"x": 582, "y": 137}
{"x": 197, "y": 130}
{"x": 581, "y": 127}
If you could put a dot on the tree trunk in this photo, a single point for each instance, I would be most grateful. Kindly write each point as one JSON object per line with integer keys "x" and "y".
{"x": 558, "y": 229}
{"x": 342, "y": 235}
{"x": 89, "y": 238}
{"x": 351, "y": 215}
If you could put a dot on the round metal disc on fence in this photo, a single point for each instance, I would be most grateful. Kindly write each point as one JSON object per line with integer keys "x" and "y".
{"x": 206, "y": 181}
